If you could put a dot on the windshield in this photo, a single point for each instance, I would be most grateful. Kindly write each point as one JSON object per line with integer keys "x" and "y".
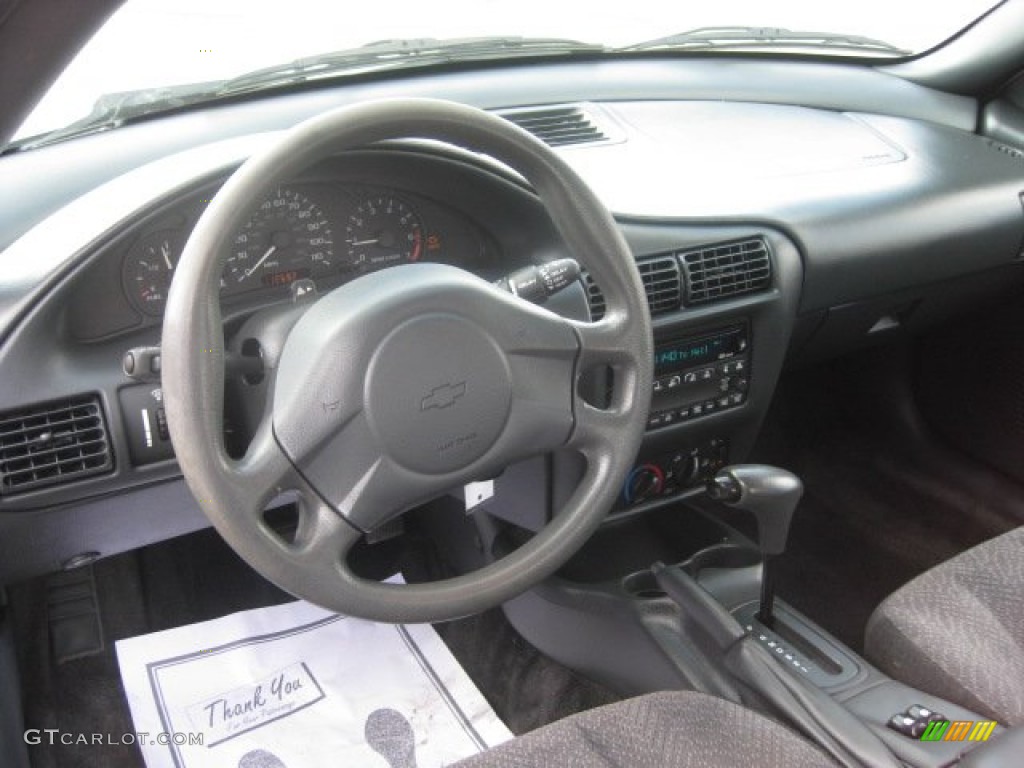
{"x": 156, "y": 44}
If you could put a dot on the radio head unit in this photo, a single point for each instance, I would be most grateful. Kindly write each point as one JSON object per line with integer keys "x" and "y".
{"x": 698, "y": 375}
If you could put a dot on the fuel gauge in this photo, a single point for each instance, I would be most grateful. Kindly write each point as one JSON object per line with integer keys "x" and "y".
{"x": 149, "y": 267}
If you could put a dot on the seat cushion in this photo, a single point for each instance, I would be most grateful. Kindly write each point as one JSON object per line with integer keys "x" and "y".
{"x": 957, "y": 631}
{"x": 659, "y": 730}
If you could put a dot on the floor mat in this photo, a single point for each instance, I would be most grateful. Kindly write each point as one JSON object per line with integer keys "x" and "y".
{"x": 294, "y": 685}
{"x": 196, "y": 578}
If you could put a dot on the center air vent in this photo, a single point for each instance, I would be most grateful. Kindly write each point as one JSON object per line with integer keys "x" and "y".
{"x": 727, "y": 270}
{"x": 558, "y": 126}
{"x": 52, "y": 444}
{"x": 661, "y": 283}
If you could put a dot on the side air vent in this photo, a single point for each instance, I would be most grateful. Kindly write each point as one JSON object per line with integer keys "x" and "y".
{"x": 558, "y": 126}
{"x": 725, "y": 271}
{"x": 52, "y": 444}
{"x": 594, "y": 297}
{"x": 1006, "y": 149}
{"x": 661, "y": 283}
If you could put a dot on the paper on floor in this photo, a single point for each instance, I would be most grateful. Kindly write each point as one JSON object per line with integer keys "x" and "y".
{"x": 295, "y": 686}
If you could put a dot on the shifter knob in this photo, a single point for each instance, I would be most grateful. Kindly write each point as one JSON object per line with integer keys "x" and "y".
{"x": 769, "y": 493}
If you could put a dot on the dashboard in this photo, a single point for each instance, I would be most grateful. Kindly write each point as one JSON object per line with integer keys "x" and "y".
{"x": 848, "y": 206}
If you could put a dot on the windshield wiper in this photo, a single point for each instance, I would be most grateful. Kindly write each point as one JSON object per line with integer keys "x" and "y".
{"x": 112, "y": 110}
{"x": 393, "y": 54}
{"x": 116, "y": 109}
{"x": 763, "y": 37}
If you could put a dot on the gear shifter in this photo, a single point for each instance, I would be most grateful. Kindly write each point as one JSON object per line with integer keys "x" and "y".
{"x": 770, "y": 494}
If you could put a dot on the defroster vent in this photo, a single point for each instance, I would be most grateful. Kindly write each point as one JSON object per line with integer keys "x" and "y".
{"x": 725, "y": 271}
{"x": 558, "y": 126}
{"x": 52, "y": 443}
{"x": 661, "y": 283}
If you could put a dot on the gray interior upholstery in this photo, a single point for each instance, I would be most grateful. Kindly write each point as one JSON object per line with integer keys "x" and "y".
{"x": 657, "y": 731}
{"x": 957, "y": 631}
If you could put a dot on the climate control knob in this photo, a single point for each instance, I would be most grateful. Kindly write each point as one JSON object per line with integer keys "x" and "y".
{"x": 686, "y": 468}
{"x": 644, "y": 482}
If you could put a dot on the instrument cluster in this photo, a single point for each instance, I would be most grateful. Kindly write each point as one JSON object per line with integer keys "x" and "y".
{"x": 326, "y": 233}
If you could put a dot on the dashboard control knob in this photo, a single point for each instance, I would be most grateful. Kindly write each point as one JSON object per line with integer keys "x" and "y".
{"x": 686, "y": 468}
{"x": 644, "y": 482}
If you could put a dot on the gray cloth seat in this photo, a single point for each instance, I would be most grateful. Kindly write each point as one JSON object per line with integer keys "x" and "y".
{"x": 659, "y": 730}
{"x": 957, "y": 631}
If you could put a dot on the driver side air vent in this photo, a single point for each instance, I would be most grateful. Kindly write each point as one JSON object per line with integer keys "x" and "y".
{"x": 726, "y": 271}
{"x": 662, "y": 284}
{"x": 52, "y": 444}
{"x": 558, "y": 126}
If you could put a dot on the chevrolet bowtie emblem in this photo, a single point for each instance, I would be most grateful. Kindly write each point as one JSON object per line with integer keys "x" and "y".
{"x": 443, "y": 396}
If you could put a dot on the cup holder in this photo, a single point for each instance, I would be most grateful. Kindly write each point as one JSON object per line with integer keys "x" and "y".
{"x": 726, "y": 555}
{"x": 643, "y": 586}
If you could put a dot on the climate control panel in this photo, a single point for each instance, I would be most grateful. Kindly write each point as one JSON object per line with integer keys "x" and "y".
{"x": 675, "y": 472}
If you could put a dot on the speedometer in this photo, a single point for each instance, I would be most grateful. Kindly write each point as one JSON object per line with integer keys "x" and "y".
{"x": 383, "y": 231}
{"x": 286, "y": 239}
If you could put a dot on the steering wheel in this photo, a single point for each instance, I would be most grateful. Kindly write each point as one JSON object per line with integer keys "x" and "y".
{"x": 407, "y": 382}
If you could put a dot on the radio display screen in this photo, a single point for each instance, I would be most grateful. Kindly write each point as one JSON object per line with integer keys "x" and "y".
{"x": 687, "y": 353}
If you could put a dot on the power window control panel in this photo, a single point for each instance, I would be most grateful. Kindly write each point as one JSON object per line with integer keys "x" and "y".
{"x": 913, "y": 722}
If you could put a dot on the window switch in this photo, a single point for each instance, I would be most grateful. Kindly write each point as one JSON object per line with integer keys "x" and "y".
{"x": 924, "y": 714}
{"x": 907, "y": 725}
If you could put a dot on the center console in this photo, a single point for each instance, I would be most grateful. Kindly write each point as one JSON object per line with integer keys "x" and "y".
{"x": 655, "y": 637}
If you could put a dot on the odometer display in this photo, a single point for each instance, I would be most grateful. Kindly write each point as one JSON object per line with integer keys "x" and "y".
{"x": 278, "y": 279}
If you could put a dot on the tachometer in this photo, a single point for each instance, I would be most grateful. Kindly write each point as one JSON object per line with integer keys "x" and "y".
{"x": 149, "y": 267}
{"x": 383, "y": 231}
{"x": 287, "y": 238}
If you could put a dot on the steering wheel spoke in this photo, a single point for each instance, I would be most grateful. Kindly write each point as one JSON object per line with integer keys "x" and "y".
{"x": 263, "y": 474}
{"x": 605, "y": 342}
{"x": 323, "y": 538}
